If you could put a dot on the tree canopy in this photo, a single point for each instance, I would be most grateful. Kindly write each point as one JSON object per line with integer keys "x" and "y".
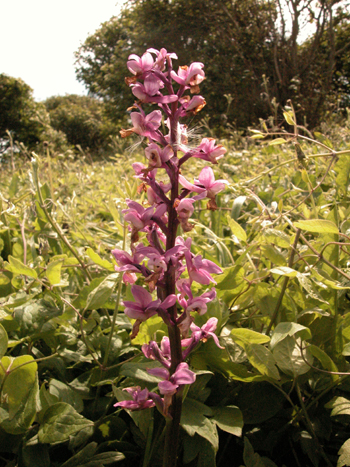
{"x": 252, "y": 53}
{"x": 18, "y": 110}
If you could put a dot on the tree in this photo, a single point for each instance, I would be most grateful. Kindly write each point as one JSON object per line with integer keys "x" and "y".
{"x": 18, "y": 111}
{"x": 82, "y": 119}
{"x": 252, "y": 51}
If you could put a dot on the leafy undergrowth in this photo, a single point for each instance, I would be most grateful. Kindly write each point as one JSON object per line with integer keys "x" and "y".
{"x": 277, "y": 394}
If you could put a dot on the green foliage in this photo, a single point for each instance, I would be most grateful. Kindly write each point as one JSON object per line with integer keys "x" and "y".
{"x": 255, "y": 59}
{"x": 18, "y": 111}
{"x": 281, "y": 380}
{"x": 82, "y": 119}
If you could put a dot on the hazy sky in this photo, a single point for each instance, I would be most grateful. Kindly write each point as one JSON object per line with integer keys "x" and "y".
{"x": 38, "y": 39}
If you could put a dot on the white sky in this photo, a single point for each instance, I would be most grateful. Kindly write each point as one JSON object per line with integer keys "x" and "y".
{"x": 38, "y": 39}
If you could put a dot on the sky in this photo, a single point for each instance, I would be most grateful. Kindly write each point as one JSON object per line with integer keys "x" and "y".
{"x": 38, "y": 39}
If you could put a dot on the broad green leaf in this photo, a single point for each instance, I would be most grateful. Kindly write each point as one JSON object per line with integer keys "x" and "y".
{"x": 3, "y": 341}
{"x": 194, "y": 420}
{"x": 285, "y": 329}
{"x": 26, "y": 411}
{"x": 271, "y": 252}
{"x": 80, "y": 301}
{"x": 284, "y": 271}
{"x": 344, "y": 454}
{"x": 26, "y": 374}
{"x": 64, "y": 393}
{"x": 229, "y": 419}
{"x": 99, "y": 296}
{"x": 305, "y": 282}
{"x": 317, "y": 226}
{"x": 231, "y": 278}
{"x": 342, "y": 168}
{"x": 104, "y": 263}
{"x": 325, "y": 360}
{"x": 82, "y": 456}
{"x": 103, "y": 458}
{"x": 36, "y": 454}
{"x": 289, "y": 117}
{"x": 60, "y": 421}
{"x": 346, "y": 350}
{"x": 17, "y": 267}
{"x": 262, "y": 359}
{"x": 251, "y": 458}
{"x": 245, "y": 336}
{"x": 278, "y": 237}
{"x": 53, "y": 272}
{"x": 277, "y": 141}
{"x": 288, "y": 357}
{"x": 339, "y": 406}
{"x": 236, "y": 229}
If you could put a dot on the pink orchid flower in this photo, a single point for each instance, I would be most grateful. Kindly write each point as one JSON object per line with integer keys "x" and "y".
{"x": 162, "y": 55}
{"x": 169, "y": 385}
{"x": 189, "y": 75}
{"x": 200, "y": 270}
{"x": 162, "y": 354}
{"x": 201, "y": 334}
{"x": 139, "y": 65}
{"x": 141, "y": 399}
{"x": 208, "y": 151}
{"x": 207, "y": 180}
{"x": 157, "y": 156}
{"x": 149, "y": 91}
{"x": 144, "y": 125}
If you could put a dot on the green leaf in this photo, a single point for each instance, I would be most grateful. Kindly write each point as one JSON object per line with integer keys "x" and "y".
{"x": 305, "y": 282}
{"x": 271, "y": 252}
{"x": 83, "y": 455}
{"x": 237, "y": 207}
{"x": 262, "y": 359}
{"x": 99, "y": 296}
{"x": 236, "y": 229}
{"x": 278, "y": 237}
{"x": 342, "y": 168}
{"x": 317, "y": 226}
{"x": 277, "y": 141}
{"x": 229, "y": 419}
{"x": 251, "y": 458}
{"x": 64, "y": 393}
{"x": 3, "y": 341}
{"x": 325, "y": 360}
{"x": 231, "y": 278}
{"x": 289, "y": 117}
{"x": 104, "y": 263}
{"x": 289, "y": 359}
{"x": 60, "y": 421}
{"x": 245, "y": 336}
{"x": 17, "y": 267}
{"x": 53, "y": 272}
{"x": 339, "y": 406}
{"x": 26, "y": 411}
{"x": 193, "y": 420}
{"x": 285, "y": 329}
{"x": 26, "y": 374}
{"x": 284, "y": 271}
{"x": 344, "y": 454}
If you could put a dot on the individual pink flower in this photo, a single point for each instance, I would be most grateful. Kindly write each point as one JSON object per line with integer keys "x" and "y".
{"x": 127, "y": 264}
{"x": 162, "y": 354}
{"x": 189, "y": 75}
{"x": 144, "y": 125}
{"x": 207, "y": 180}
{"x": 169, "y": 385}
{"x": 201, "y": 334}
{"x": 149, "y": 91}
{"x": 191, "y": 106}
{"x": 158, "y": 156}
{"x": 144, "y": 307}
{"x": 162, "y": 55}
{"x": 139, "y": 65}
{"x": 208, "y": 151}
{"x": 141, "y": 399}
{"x": 200, "y": 270}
